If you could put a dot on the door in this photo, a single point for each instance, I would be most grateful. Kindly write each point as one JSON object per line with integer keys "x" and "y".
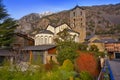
{"x": 117, "y": 55}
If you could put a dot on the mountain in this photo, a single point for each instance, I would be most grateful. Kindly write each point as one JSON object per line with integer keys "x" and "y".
{"x": 101, "y": 20}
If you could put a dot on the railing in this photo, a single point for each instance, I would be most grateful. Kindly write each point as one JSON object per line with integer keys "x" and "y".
{"x": 100, "y": 75}
{"x": 110, "y": 71}
{"x": 104, "y": 70}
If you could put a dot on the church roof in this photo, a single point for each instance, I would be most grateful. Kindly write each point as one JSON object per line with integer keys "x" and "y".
{"x": 77, "y": 6}
{"x": 70, "y": 30}
{"x": 46, "y": 32}
{"x": 55, "y": 26}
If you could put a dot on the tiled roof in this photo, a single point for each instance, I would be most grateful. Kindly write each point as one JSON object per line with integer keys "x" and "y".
{"x": 46, "y": 32}
{"x": 39, "y": 47}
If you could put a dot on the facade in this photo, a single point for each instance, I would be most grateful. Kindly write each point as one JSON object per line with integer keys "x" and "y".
{"x": 22, "y": 40}
{"x": 42, "y": 53}
{"x": 113, "y": 49}
{"x": 6, "y": 54}
{"x": 95, "y": 40}
{"x": 78, "y": 22}
{"x": 47, "y": 36}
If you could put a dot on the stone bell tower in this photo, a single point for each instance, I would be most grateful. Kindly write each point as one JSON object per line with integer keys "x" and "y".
{"x": 78, "y": 22}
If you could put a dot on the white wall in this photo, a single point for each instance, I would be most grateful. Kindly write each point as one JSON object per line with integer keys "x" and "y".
{"x": 61, "y": 28}
{"x": 51, "y": 28}
{"x": 43, "y": 39}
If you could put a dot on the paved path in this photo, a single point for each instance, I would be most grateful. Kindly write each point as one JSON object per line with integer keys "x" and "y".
{"x": 115, "y": 67}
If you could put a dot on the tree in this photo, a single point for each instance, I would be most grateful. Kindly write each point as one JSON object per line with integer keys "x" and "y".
{"x": 82, "y": 47}
{"x": 7, "y": 26}
{"x": 87, "y": 62}
{"x": 94, "y": 48}
{"x": 65, "y": 65}
{"x": 66, "y": 47}
{"x": 85, "y": 76}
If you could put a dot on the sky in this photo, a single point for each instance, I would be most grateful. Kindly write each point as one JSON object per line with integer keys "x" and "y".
{"x": 20, "y": 8}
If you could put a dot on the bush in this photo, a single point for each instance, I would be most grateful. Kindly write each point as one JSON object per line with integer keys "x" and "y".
{"x": 48, "y": 67}
{"x": 82, "y": 47}
{"x": 85, "y": 76}
{"x": 67, "y": 65}
{"x": 93, "y": 48}
{"x": 87, "y": 62}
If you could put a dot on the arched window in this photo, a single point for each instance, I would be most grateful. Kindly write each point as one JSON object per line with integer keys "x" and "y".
{"x": 46, "y": 40}
{"x": 50, "y": 39}
{"x": 41, "y": 40}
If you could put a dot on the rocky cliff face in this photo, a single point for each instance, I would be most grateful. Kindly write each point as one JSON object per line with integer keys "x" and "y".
{"x": 104, "y": 19}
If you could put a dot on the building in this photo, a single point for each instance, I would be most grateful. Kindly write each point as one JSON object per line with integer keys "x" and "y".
{"x": 45, "y": 53}
{"x": 78, "y": 21}
{"x": 6, "y": 54}
{"x": 48, "y": 35}
{"x": 113, "y": 49}
{"x": 44, "y": 42}
{"x": 109, "y": 45}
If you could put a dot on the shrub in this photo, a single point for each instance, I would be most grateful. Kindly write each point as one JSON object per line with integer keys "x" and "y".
{"x": 67, "y": 65}
{"x": 87, "y": 62}
{"x": 85, "y": 76}
{"x": 93, "y": 48}
{"x": 48, "y": 67}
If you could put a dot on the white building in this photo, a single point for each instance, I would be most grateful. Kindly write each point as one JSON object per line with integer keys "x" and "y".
{"x": 46, "y": 36}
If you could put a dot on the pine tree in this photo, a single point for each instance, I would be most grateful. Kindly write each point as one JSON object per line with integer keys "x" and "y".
{"x": 7, "y": 26}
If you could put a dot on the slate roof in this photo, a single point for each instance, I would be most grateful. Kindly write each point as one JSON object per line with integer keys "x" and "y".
{"x": 46, "y": 32}
{"x": 55, "y": 26}
{"x": 89, "y": 37}
{"x": 109, "y": 40}
{"x": 106, "y": 41}
{"x": 24, "y": 36}
{"x": 5, "y": 52}
{"x": 77, "y": 6}
{"x": 97, "y": 41}
{"x": 70, "y": 30}
{"x": 39, "y": 47}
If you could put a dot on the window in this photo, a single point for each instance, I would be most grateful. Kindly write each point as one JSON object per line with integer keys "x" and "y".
{"x": 50, "y": 58}
{"x": 50, "y": 39}
{"x": 73, "y": 22}
{"x": 73, "y": 13}
{"x": 41, "y": 40}
{"x": 80, "y": 12}
{"x": 81, "y": 24}
{"x": 46, "y": 40}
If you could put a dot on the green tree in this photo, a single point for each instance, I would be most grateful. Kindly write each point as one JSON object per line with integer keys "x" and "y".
{"x": 82, "y": 47}
{"x": 7, "y": 26}
{"x": 85, "y": 76}
{"x": 94, "y": 48}
{"x": 65, "y": 65}
{"x": 66, "y": 47}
